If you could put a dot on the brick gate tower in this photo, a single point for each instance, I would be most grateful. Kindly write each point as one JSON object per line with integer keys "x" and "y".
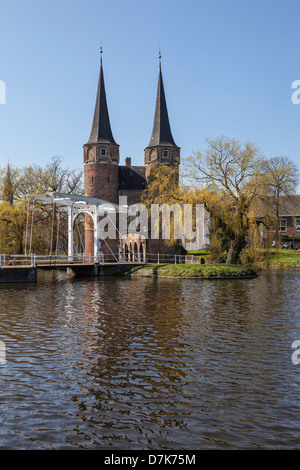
{"x": 105, "y": 178}
{"x": 161, "y": 148}
{"x": 101, "y": 159}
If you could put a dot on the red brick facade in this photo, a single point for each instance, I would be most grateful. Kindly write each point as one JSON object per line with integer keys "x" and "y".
{"x": 290, "y": 226}
{"x": 105, "y": 179}
{"x": 101, "y": 181}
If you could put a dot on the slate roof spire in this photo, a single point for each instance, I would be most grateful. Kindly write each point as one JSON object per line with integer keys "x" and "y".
{"x": 161, "y": 132}
{"x": 101, "y": 130}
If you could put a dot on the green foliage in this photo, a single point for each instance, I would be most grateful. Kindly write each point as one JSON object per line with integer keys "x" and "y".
{"x": 8, "y": 188}
{"x": 202, "y": 253}
{"x": 15, "y": 185}
{"x": 232, "y": 175}
{"x": 252, "y": 257}
{"x": 163, "y": 188}
{"x": 285, "y": 258}
{"x": 286, "y": 238}
{"x": 223, "y": 258}
{"x": 12, "y": 222}
{"x": 219, "y": 243}
{"x": 238, "y": 186}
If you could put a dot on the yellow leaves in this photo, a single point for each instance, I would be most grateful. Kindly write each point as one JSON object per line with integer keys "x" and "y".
{"x": 162, "y": 186}
{"x": 12, "y": 223}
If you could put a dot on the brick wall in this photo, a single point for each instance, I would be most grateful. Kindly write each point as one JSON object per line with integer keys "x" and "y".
{"x": 133, "y": 196}
{"x": 101, "y": 181}
{"x": 291, "y": 227}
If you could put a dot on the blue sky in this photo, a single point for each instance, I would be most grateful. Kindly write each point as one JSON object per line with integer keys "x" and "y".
{"x": 228, "y": 67}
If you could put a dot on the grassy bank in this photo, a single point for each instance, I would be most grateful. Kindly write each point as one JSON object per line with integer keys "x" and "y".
{"x": 285, "y": 258}
{"x": 209, "y": 271}
{"x": 280, "y": 259}
{"x": 202, "y": 253}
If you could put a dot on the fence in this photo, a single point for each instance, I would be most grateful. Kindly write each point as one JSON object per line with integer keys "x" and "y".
{"x": 35, "y": 260}
{"x": 56, "y": 260}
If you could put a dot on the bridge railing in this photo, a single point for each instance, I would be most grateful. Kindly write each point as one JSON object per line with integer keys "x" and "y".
{"x": 33, "y": 260}
{"x": 149, "y": 258}
{"x": 55, "y": 260}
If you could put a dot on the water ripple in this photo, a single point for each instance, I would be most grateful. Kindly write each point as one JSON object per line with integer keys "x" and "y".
{"x": 120, "y": 363}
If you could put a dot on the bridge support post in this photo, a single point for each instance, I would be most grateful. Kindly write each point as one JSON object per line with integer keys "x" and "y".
{"x": 70, "y": 234}
{"x": 96, "y": 233}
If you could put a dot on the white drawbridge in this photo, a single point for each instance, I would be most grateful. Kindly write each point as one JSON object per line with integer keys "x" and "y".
{"x": 76, "y": 205}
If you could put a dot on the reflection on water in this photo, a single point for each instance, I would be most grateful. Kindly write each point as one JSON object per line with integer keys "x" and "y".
{"x": 120, "y": 363}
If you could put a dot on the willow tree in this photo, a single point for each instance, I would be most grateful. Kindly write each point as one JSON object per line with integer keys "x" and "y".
{"x": 163, "y": 189}
{"x": 15, "y": 185}
{"x": 230, "y": 175}
{"x": 12, "y": 225}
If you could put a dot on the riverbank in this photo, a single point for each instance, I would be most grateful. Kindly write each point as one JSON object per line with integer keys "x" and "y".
{"x": 202, "y": 271}
{"x": 284, "y": 259}
{"x": 273, "y": 260}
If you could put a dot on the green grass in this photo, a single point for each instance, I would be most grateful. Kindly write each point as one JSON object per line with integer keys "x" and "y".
{"x": 288, "y": 258}
{"x": 202, "y": 253}
{"x": 285, "y": 257}
{"x": 193, "y": 270}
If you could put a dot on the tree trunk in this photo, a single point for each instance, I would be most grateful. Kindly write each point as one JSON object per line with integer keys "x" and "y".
{"x": 277, "y": 232}
{"x": 231, "y": 252}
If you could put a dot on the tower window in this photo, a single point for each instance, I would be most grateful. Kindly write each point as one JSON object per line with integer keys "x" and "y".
{"x": 103, "y": 152}
{"x": 166, "y": 153}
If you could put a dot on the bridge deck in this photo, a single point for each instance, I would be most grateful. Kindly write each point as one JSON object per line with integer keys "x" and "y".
{"x": 67, "y": 265}
{"x": 83, "y": 265}
{"x": 29, "y": 273}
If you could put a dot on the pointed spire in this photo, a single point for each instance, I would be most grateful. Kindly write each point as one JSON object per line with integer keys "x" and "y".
{"x": 161, "y": 133}
{"x": 101, "y": 130}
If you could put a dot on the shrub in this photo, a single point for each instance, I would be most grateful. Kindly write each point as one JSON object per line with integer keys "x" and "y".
{"x": 252, "y": 257}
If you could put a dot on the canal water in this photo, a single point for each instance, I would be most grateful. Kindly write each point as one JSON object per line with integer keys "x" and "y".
{"x": 123, "y": 363}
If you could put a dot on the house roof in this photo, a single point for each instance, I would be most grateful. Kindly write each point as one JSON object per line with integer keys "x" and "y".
{"x": 132, "y": 178}
{"x": 289, "y": 206}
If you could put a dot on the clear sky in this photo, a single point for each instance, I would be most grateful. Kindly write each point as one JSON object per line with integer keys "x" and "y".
{"x": 227, "y": 66}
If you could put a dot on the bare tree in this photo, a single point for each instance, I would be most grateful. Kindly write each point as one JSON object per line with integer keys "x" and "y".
{"x": 281, "y": 177}
{"x": 235, "y": 170}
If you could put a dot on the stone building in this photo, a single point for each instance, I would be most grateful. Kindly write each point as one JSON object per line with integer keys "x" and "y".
{"x": 105, "y": 178}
